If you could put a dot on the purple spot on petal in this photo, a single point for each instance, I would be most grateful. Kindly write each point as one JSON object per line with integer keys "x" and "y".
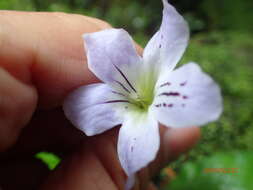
{"x": 167, "y": 105}
{"x": 183, "y": 83}
{"x": 183, "y": 105}
{"x": 132, "y": 148}
{"x": 170, "y": 105}
{"x": 162, "y": 36}
{"x": 158, "y": 105}
{"x": 185, "y": 97}
{"x": 160, "y": 45}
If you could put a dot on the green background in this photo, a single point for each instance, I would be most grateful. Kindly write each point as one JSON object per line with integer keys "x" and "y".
{"x": 222, "y": 43}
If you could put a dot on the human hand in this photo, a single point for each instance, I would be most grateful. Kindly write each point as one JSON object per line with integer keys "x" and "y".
{"x": 41, "y": 60}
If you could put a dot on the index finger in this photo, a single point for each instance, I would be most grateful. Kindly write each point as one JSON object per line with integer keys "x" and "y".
{"x": 41, "y": 60}
{"x": 46, "y": 50}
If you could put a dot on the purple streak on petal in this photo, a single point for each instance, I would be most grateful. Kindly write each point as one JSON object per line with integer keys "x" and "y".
{"x": 160, "y": 46}
{"x": 122, "y": 74}
{"x": 169, "y": 94}
{"x": 118, "y": 93}
{"x": 183, "y": 83}
{"x": 123, "y": 86}
{"x": 165, "y": 84}
{"x": 116, "y": 101}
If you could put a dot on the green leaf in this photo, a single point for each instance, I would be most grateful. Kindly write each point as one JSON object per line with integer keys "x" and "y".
{"x": 50, "y": 159}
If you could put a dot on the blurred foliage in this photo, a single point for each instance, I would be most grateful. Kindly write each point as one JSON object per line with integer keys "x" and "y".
{"x": 144, "y": 15}
{"x": 216, "y": 173}
{"x": 222, "y": 44}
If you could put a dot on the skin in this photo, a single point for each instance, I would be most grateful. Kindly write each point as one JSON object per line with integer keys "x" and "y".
{"x": 41, "y": 61}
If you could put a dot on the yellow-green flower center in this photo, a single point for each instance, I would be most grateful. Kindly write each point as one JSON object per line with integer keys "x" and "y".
{"x": 144, "y": 96}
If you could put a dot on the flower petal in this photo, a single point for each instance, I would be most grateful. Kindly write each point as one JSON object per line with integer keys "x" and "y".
{"x": 130, "y": 182}
{"x": 138, "y": 142}
{"x": 187, "y": 97}
{"x": 92, "y": 108}
{"x": 112, "y": 57}
{"x": 167, "y": 46}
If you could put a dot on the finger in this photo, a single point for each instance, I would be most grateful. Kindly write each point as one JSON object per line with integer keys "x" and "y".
{"x": 94, "y": 165}
{"x": 43, "y": 51}
{"x": 17, "y": 103}
{"x": 151, "y": 186}
{"x": 82, "y": 170}
{"x": 41, "y": 56}
{"x": 174, "y": 142}
{"x": 48, "y": 52}
{"x": 47, "y": 131}
{"x": 98, "y": 159}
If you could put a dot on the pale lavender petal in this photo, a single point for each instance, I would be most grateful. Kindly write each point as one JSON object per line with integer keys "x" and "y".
{"x": 168, "y": 45}
{"x": 187, "y": 97}
{"x": 138, "y": 143}
{"x": 91, "y": 108}
{"x": 130, "y": 182}
{"x": 113, "y": 58}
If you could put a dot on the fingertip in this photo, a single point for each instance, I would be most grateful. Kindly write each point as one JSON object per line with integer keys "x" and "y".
{"x": 181, "y": 140}
{"x": 17, "y": 104}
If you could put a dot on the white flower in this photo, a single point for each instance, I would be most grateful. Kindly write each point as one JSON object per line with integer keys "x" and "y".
{"x": 140, "y": 92}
